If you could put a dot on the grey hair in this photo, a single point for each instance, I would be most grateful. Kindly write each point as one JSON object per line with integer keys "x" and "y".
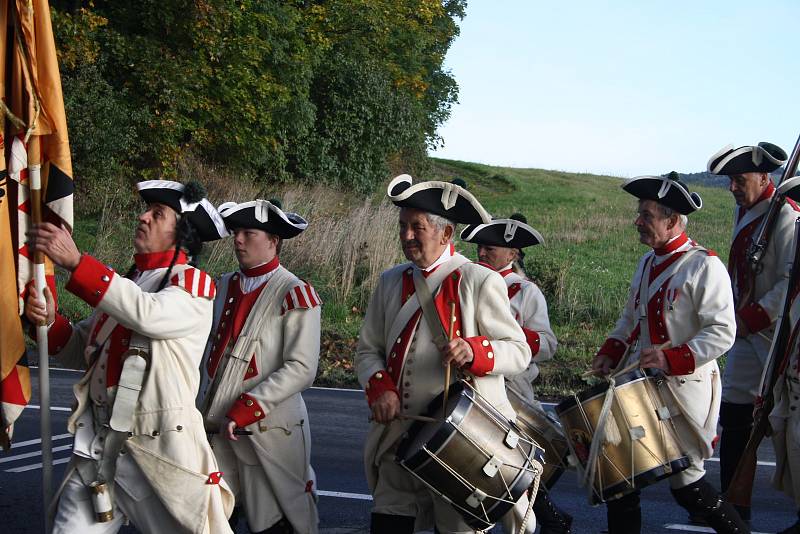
{"x": 668, "y": 212}
{"x": 440, "y": 222}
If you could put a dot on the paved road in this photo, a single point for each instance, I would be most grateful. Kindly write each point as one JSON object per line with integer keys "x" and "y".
{"x": 338, "y": 420}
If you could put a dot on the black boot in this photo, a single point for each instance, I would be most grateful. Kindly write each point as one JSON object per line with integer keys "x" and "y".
{"x": 700, "y": 499}
{"x": 233, "y": 520}
{"x": 736, "y": 421}
{"x": 281, "y": 527}
{"x": 391, "y": 524}
{"x": 549, "y": 517}
{"x": 625, "y": 515}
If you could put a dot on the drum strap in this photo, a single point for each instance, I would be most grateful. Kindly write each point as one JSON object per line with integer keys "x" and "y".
{"x": 425, "y": 297}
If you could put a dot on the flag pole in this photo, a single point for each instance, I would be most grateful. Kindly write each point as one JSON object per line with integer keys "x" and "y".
{"x": 37, "y": 201}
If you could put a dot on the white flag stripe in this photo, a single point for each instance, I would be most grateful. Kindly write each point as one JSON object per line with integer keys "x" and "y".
{"x": 6, "y": 459}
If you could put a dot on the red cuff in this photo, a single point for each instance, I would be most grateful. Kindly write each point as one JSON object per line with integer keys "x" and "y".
{"x": 532, "y": 337}
{"x": 482, "y": 355}
{"x": 755, "y": 317}
{"x": 90, "y": 280}
{"x": 245, "y": 411}
{"x": 379, "y": 384}
{"x": 681, "y": 360}
{"x": 614, "y": 349}
{"x": 58, "y": 334}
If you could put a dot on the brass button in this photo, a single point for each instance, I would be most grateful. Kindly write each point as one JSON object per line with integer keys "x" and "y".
{"x": 250, "y": 370}
{"x": 97, "y": 293}
{"x": 379, "y": 375}
{"x": 227, "y": 312}
{"x": 399, "y": 340}
{"x": 156, "y": 433}
{"x": 490, "y": 355}
{"x": 105, "y": 278}
{"x": 179, "y": 428}
{"x": 409, "y": 271}
{"x": 230, "y": 300}
{"x": 485, "y": 342}
{"x": 393, "y": 355}
{"x": 458, "y": 332}
{"x": 390, "y": 369}
{"x": 257, "y": 413}
{"x": 248, "y": 402}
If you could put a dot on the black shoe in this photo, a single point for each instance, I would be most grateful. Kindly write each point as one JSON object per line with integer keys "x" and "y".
{"x": 392, "y": 524}
{"x": 794, "y": 529}
{"x": 702, "y": 500}
{"x": 549, "y": 517}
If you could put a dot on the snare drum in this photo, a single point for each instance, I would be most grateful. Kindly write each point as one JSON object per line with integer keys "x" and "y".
{"x": 475, "y": 459}
{"x": 640, "y": 444}
{"x": 545, "y": 430}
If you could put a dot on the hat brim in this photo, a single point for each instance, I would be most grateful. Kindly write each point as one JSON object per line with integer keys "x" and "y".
{"x": 790, "y": 188}
{"x": 730, "y": 161}
{"x": 207, "y": 221}
{"x": 162, "y": 192}
{"x": 445, "y": 199}
{"x": 508, "y": 233}
{"x": 665, "y": 191}
{"x": 263, "y": 215}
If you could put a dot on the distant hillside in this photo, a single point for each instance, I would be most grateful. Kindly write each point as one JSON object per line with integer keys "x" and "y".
{"x": 712, "y": 180}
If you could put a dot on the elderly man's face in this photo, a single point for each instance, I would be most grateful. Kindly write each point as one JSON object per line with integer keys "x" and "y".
{"x": 422, "y": 242}
{"x": 654, "y": 229}
{"x": 254, "y": 247}
{"x": 496, "y": 257}
{"x": 747, "y": 188}
{"x": 156, "y": 231}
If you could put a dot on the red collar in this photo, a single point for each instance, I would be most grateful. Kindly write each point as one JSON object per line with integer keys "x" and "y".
{"x": 673, "y": 245}
{"x": 767, "y": 194}
{"x": 506, "y": 272}
{"x": 147, "y": 261}
{"x": 262, "y": 269}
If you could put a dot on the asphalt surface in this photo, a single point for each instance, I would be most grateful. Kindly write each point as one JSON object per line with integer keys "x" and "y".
{"x": 339, "y": 425}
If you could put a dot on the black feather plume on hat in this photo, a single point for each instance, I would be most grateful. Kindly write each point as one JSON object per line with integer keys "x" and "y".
{"x": 193, "y": 192}
{"x": 519, "y": 217}
{"x": 459, "y": 182}
{"x": 277, "y": 203}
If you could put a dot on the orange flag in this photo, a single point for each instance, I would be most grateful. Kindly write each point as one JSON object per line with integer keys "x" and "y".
{"x": 33, "y": 105}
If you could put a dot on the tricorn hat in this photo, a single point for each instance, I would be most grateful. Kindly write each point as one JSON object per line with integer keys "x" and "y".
{"x": 450, "y": 200}
{"x": 666, "y": 190}
{"x": 790, "y": 188}
{"x": 764, "y": 157}
{"x": 264, "y": 215}
{"x": 513, "y": 232}
{"x": 188, "y": 201}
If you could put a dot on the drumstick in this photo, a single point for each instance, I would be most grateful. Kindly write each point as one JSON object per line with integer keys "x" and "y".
{"x": 626, "y": 369}
{"x": 447, "y": 370}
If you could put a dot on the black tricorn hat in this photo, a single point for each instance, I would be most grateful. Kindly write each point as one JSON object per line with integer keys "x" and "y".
{"x": 263, "y": 215}
{"x": 764, "y": 157}
{"x": 450, "y": 200}
{"x": 188, "y": 201}
{"x": 666, "y": 190}
{"x": 513, "y": 232}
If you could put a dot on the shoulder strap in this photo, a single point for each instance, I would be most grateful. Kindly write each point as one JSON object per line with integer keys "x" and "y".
{"x": 422, "y": 289}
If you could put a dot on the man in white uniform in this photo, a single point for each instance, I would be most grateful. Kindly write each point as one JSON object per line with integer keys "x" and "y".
{"x": 398, "y": 362}
{"x": 262, "y": 353}
{"x": 500, "y": 245}
{"x": 147, "y": 332}
{"x": 678, "y": 318}
{"x": 758, "y": 294}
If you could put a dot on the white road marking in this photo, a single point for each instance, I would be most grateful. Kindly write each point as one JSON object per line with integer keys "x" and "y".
{"x": 5, "y": 459}
{"x": 36, "y": 466}
{"x": 32, "y": 441}
{"x": 695, "y": 528}
{"x": 770, "y": 464}
{"x": 52, "y": 408}
{"x": 344, "y": 495}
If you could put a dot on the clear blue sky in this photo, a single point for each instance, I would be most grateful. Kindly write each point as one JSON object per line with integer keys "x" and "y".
{"x": 622, "y": 87}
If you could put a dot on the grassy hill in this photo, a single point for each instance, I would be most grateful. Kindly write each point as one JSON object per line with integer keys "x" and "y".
{"x": 584, "y": 267}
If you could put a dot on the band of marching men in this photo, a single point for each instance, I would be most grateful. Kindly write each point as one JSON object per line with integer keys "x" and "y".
{"x": 190, "y": 416}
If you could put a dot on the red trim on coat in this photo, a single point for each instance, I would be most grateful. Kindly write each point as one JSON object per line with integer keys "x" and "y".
{"x": 755, "y": 317}
{"x": 673, "y": 245}
{"x": 444, "y": 299}
{"x": 532, "y": 338}
{"x": 613, "y": 348}
{"x": 378, "y": 384}
{"x": 245, "y": 411}
{"x": 681, "y": 360}
{"x": 147, "y": 261}
{"x": 118, "y": 344}
{"x": 263, "y": 269}
{"x": 513, "y": 289}
{"x": 234, "y": 314}
{"x": 738, "y": 264}
{"x": 252, "y": 368}
{"x": 90, "y": 280}
{"x": 656, "y": 270}
{"x": 482, "y": 354}
{"x": 58, "y": 334}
